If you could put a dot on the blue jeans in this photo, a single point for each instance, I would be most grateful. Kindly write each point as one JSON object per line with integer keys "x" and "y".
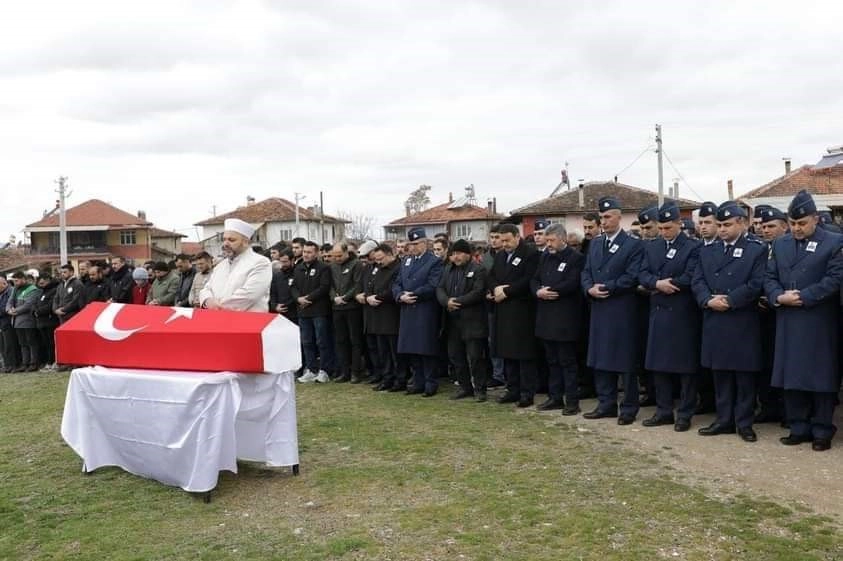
{"x": 315, "y": 337}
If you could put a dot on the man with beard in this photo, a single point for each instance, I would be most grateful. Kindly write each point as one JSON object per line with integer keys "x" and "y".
{"x": 120, "y": 281}
{"x": 346, "y": 272}
{"x": 383, "y": 317}
{"x": 240, "y": 281}
{"x": 97, "y": 289}
{"x": 281, "y": 299}
{"x": 186, "y": 271}
{"x": 20, "y": 306}
{"x": 45, "y": 321}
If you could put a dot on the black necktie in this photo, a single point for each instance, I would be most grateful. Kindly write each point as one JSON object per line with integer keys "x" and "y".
{"x": 727, "y": 248}
{"x": 608, "y": 243}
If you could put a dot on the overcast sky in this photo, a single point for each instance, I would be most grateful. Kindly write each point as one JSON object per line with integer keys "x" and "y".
{"x": 175, "y": 107}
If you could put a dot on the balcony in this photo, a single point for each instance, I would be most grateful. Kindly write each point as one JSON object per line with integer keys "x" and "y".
{"x": 71, "y": 250}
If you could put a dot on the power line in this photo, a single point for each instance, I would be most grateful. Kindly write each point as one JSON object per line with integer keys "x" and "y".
{"x": 679, "y": 174}
{"x": 638, "y": 157}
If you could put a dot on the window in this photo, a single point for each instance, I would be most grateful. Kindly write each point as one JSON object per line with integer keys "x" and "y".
{"x": 286, "y": 234}
{"x": 128, "y": 237}
{"x": 463, "y": 231}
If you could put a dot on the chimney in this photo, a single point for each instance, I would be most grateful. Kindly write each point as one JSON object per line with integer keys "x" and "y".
{"x": 786, "y": 164}
{"x": 581, "y": 193}
{"x": 495, "y": 205}
{"x": 142, "y": 215}
{"x": 450, "y": 197}
{"x": 730, "y": 189}
{"x": 490, "y": 207}
{"x": 250, "y": 200}
{"x": 675, "y": 194}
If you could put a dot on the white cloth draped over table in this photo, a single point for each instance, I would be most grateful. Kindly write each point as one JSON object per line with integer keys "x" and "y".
{"x": 180, "y": 428}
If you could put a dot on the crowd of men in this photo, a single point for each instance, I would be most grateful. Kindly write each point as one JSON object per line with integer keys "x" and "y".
{"x": 729, "y": 314}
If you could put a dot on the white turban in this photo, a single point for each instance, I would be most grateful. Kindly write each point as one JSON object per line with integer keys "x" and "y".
{"x": 239, "y": 226}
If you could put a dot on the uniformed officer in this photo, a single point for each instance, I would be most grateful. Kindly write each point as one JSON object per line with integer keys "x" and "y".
{"x": 707, "y": 225}
{"x": 648, "y": 220}
{"x": 415, "y": 291}
{"x": 509, "y": 286}
{"x": 803, "y": 282}
{"x": 539, "y": 226}
{"x": 827, "y": 222}
{"x": 462, "y": 295}
{"x": 559, "y": 311}
{"x": 770, "y": 400}
{"x": 674, "y": 331}
{"x": 648, "y": 223}
{"x": 726, "y": 285}
{"x": 609, "y": 279}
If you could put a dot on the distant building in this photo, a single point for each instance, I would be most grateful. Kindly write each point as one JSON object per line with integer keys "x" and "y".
{"x": 568, "y": 207}
{"x": 98, "y": 231}
{"x": 823, "y": 180}
{"x": 460, "y": 219}
{"x": 274, "y": 220}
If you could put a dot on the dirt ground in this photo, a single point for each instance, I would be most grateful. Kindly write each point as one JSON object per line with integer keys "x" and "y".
{"x": 794, "y": 475}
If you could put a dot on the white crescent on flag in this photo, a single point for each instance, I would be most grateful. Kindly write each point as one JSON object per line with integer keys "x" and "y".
{"x": 104, "y": 326}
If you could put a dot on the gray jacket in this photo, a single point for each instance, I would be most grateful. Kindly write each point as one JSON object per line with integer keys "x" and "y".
{"x": 24, "y": 306}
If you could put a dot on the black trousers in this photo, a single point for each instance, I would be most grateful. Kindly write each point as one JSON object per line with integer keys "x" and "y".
{"x": 810, "y": 413}
{"x": 770, "y": 399}
{"x": 562, "y": 371}
{"x": 665, "y": 383}
{"x": 387, "y": 352}
{"x": 348, "y": 336}
{"x": 424, "y": 371}
{"x": 734, "y": 394}
{"x": 606, "y": 385}
{"x": 10, "y": 348}
{"x": 370, "y": 357}
{"x": 520, "y": 377}
{"x": 28, "y": 341}
{"x": 467, "y": 359}
{"x": 46, "y": 338}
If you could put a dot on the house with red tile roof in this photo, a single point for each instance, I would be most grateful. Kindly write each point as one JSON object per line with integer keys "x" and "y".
{"x": 460, "y": 219}
{"x": 824, "y": 181}
{"x": 97, "y": 231}
{"x": 274, "y": 220}
{"x": 568, "y": 207}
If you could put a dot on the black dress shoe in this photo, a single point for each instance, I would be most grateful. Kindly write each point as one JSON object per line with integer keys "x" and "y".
{"x": 356, "y": 380}
{"x": 793, "y": 439}
{"x": 715, "y": 429}
{"x": 375, "y": 380}
{"x": 508, "y": 398}
{"x": 462, "y": 394}
{"x": 414, "y": 391}
{"x": 20, "y": 369}
{"x": 625, "y": 420}
{"x": 525, "y": 402}
{"x": 480, "y": 397}
{"x": 398, "y": 388}
{"x": 382, "y": 387}
{"x": 656, "y": 421}
{"x": 342, "y": 379}
{"x": 569, "y": 411}
{"x": 549, "y": 405}
{"x": 747, "y": 434}
{"x": 495, "y": 384}
{"x": 682, "y": 425}
{"x": 428, "y": 394}
{"x": 821, "y": 444}
{"x": 597, "y": 414}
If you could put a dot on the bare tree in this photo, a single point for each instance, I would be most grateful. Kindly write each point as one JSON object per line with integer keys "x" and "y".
{"x": 360, "y": 225}
{"x": 418, "y": 200}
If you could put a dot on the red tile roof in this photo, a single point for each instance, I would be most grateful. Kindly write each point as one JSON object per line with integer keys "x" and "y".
{"x": 159, "y": 233}
{"x": 828, "y": 181}
{"x": 442, "y": 215}
{"x": 274, "y": 209}
{"x": 191, "y": 248}
{"x": 92, "y": 213}
{"x": 632, "y": 199}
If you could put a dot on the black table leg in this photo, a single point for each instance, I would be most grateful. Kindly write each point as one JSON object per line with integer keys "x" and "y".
{"x": 295, "y": 469}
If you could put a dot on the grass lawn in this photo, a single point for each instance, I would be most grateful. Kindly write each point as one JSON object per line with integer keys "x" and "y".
{"x": 386, "y": 476}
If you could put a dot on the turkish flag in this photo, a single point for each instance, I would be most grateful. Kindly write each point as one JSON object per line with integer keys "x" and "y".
{"x": 165, "y": 338}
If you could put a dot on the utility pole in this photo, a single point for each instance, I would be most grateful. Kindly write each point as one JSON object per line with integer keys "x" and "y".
{"x": 63, "y": 194}
{"x": 321, "y": 218}
{"x": 299, "y": 196}
{"x": 661, "y": 171}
